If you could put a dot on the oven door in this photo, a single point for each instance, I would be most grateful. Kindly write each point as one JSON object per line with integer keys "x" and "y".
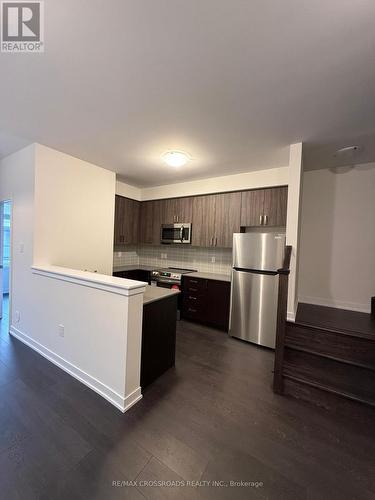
{"x": 175, "y": 233}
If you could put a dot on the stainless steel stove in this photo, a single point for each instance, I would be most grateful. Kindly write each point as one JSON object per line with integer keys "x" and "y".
{"x": 169, "y": 277}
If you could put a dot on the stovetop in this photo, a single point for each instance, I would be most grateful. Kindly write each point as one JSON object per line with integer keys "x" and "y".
{"x": 171, "y": 273}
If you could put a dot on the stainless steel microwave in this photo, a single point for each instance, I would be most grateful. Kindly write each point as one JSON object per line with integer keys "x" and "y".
{"x": 176, "y": 233}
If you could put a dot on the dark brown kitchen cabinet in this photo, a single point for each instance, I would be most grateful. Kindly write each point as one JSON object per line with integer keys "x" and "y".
{"x": 227, "y": 218}
{"x": 264, "y": 207}
{"x": 127, "y": 214}
{"x": 215, "y": 219}
{"x": 203, "y": 221}
{"x": 206, "y": 301}
{"x": 177, "y": 210}
{"x": 275, "y": 206}
{"x": 150, "y": 222}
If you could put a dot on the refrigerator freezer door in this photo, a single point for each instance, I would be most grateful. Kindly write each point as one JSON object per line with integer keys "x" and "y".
{"x": 260, "y": 251}
{"x": 254, "y": 307}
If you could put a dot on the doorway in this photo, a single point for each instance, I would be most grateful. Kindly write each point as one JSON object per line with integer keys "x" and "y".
{"x": 5, "y": 264}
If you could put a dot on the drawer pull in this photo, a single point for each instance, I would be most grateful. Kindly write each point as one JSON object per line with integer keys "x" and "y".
{"x": 193, "y": 289}
{"x": 192, "y": 298}
{"x": 193, "y": 281}
{"x": 192, "y": 310}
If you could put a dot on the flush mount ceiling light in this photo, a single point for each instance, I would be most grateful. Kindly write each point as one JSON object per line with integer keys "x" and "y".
{"x": 176, "y": 158}
{"x": 347, "y": 150}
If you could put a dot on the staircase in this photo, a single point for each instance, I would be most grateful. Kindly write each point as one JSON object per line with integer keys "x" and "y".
{"x": 327, "y": 356}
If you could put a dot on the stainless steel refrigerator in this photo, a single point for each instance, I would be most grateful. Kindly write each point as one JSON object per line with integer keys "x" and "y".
{"x": 255, "y": 281}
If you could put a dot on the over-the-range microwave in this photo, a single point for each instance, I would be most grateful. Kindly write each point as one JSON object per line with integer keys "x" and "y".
{"x": 176, "y": 233}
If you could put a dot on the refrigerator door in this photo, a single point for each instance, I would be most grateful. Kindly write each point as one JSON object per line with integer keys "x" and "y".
{"x": 254, "y": 307}
{"x": 260, "y": 251}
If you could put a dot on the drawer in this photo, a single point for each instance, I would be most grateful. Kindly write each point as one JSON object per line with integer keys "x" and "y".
{"x": 194, "y": 285}
{"x": 196, "y": 302}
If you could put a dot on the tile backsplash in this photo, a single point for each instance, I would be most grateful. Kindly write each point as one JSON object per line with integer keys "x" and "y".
{"x": 208, "y": 260}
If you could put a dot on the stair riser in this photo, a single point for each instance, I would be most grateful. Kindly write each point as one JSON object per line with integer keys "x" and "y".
{"x": 341, "y": 346}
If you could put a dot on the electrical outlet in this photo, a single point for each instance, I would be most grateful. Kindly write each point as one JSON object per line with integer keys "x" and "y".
{"x": 61, "y": 330}
{"x": 213, "y": 260}
{"x": 17, "y": 316}
{"x": 119, "y": 254}
{"x": 163, "y": 256}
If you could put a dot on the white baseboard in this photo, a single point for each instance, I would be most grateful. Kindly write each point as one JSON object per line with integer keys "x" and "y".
{"x": 350, "y": 306}
{"x": 103, "y": 390}
{"x": 291, "y": 316}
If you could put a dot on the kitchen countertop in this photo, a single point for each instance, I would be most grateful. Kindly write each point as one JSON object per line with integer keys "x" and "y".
{"x": 153, "y": 293}
{"x": 211, "y": 276}
{"x": 119, "y": 269}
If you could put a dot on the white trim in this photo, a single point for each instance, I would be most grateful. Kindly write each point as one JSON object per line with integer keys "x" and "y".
{"x": 350, "y": 306}
{"x": 103, "y": 390}
{"x": 103, "y": 282}
{"x": 291, "y": 316}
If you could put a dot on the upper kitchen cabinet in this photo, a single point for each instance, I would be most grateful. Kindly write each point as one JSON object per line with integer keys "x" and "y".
{"x": 215, "y": 219}
{"x": 126, "y": 221}
{"x": 177, "y": 210}
{"x": 150, "y": 222}
{"x": 264, "y": 207}
{"x": 227, "y": 218}
{"x": 203, "y": 221}
{"x": 275, "y": 206}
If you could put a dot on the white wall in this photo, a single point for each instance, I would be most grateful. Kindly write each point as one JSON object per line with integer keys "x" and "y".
{"x": 100, "y": 348}
{"x": 237, "y": 182}
{"x": 293, "y": 224}
{"x": 74, "y": 212}
{"x": 17, "y": 184}
{"x": 337, "y": 264}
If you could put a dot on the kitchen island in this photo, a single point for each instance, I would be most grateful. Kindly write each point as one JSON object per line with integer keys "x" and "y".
{"x": 158, "y": 332}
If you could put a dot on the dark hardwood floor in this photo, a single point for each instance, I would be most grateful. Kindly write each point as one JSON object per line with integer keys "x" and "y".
{"x": 212, "y": 418}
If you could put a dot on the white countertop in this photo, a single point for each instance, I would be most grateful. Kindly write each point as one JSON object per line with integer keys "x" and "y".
{"x": 153, "y": 293}
{"x": 211, "y": 276}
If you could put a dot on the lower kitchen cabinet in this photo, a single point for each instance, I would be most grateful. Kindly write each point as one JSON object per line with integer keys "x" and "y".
{"x": 134, "y": 274}
{"x": 206, "y": 301}
{"x": 158, "y": 339}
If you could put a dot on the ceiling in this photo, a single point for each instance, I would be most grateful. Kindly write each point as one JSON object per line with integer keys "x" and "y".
{"x": 232, "y": 82}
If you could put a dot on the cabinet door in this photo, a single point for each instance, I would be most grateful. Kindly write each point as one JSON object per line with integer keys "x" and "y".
{"x": 146, "y": 222}
{"x": 275, "y": 206}
{"x": 203, "y": 221}
{"x": 136, "y": 212}
{"x": 218, "y": 293}
{"x": 119, "y": 236}
{"x": 227, "y": 218}
{"x": 252, "y": 204}
{"x": 184, "y": 209}
{"x": 130, "y": 221}
{"x": 157, "y": 220}
{"x": 168, "y": 211}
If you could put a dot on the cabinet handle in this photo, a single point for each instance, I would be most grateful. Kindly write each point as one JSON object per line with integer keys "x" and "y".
{"x": 261, "y": 220}
{"x": 194, "y": 281}
{"x": 192, "y": 310}
{"x": 215, "y": 242}
{"x": 193, "y": 289}
{"x": 265, "y": 220}
{"x": 192, "y": 298}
